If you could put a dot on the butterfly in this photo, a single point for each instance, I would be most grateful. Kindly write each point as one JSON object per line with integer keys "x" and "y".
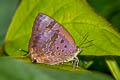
{"x": 50, "y": 43}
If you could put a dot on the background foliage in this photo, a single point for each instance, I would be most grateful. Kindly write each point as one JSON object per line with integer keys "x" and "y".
{"x": 78, "y": 17}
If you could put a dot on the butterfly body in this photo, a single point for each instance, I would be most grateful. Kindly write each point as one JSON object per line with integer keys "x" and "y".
{"x": 50, "y": 43}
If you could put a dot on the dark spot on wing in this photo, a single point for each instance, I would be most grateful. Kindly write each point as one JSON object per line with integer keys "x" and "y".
{"x": 65, "y": 46}
{"x": 37, "y": 37}
{"x": 34, "y": 43}
{"x": 53, "y": 39}
{"x": 58, "y": 53}
{"x": 37, "y": 29}
{"x": 51, "y": 24}
{"x": 62, "y": 41}
{"x": 57, "y": 31}
{"x": 52, "y": 54}
{"x": 33, "y": 46}
{"x": 57, "y": 47}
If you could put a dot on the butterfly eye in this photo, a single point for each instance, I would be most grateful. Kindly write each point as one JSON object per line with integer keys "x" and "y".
{"x": 62, "y": 41}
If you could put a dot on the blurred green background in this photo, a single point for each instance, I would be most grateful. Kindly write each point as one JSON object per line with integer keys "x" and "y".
{"x": 7, "y": 10}
{"x": 109, "y": 9}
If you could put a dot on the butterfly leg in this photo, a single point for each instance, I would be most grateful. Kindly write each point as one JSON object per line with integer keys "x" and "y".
{"x": 75, "y": 62}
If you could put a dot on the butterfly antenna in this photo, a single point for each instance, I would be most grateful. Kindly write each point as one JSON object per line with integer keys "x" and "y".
{"x": 88, "y": 42}
{"x": 87, "y": 46}
{"x": 84, "y": 39}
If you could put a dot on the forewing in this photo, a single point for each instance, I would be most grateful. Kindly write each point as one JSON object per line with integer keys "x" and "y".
{"x": 45, "y": 22}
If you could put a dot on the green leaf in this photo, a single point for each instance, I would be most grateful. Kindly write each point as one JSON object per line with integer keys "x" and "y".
{"x": 11, "y": 69}
{"x": 7, "y": 8}
{"x": 75, "y": 15}
{"x": 113, "y": 67}
{"x": 64, "y": 66}
{"x": 111, "y": 11}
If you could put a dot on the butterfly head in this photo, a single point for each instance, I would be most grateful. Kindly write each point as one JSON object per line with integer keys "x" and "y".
{"x": 77, "y": 51}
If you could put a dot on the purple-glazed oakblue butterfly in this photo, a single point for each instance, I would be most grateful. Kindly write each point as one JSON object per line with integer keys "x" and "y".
{"x": 50, "y": 43}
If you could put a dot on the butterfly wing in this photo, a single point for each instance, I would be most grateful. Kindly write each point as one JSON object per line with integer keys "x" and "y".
{"x": 45, "y": 22}
{"x": 50, "y": 47}
{"x": 50, "y": 43}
